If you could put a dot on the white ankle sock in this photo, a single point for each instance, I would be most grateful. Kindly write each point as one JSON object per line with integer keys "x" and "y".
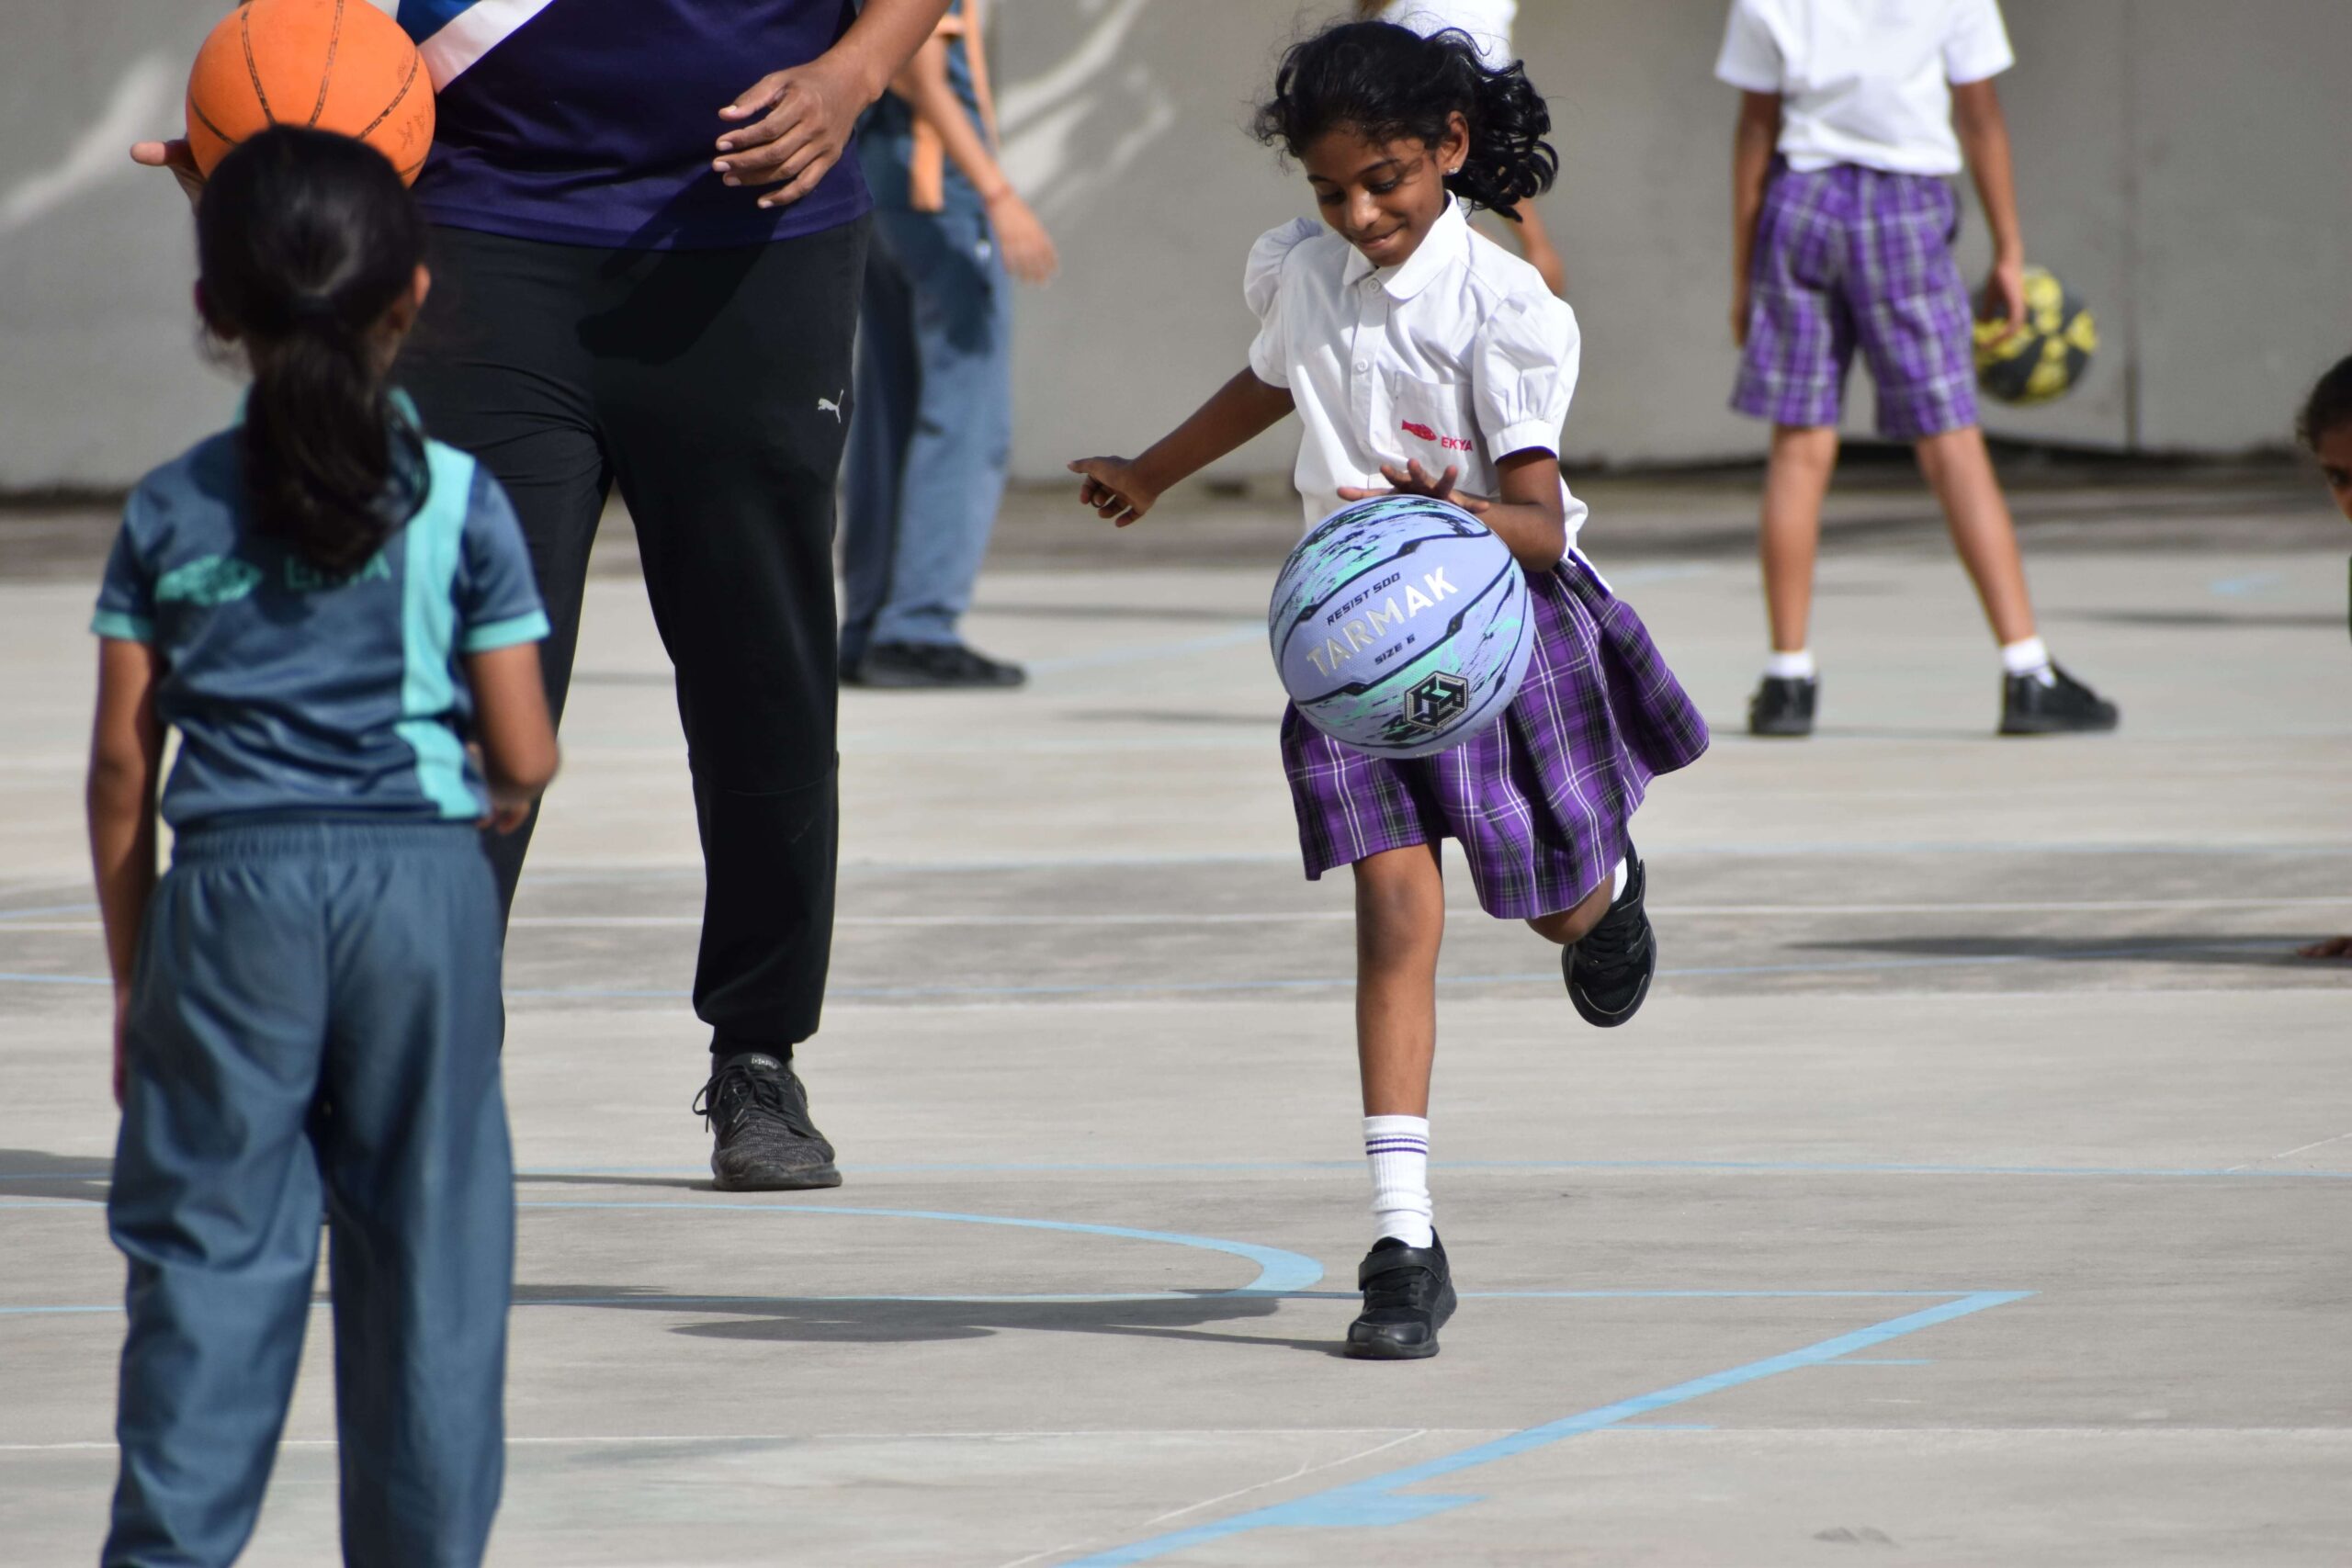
{"x": 1398, "y": 1149}
{"x": 1797, "y": 666}
{"x": 2028, "y": 657}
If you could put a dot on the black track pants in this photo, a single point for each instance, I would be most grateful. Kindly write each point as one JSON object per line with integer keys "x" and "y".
{"x": 713, "y": 388}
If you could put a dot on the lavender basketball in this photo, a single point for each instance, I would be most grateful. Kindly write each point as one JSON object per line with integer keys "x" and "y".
{"x": 1400, "y": 627}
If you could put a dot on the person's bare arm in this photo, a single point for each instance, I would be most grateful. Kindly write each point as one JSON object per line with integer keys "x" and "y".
{"x": 126, "y": 759}
{"x": 1527, "y": 515}
{"x": 1753, "y": 142}
{"x": 511, "y": 725}
{"x": 1985, "y": 140}
{"x": 1124, "y": 488}
{"x": 792, "y": 126}
{"x": 1028, "y": 249}
{"x": 1535, "y": 245}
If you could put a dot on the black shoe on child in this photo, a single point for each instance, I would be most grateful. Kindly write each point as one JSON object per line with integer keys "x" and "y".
{"x": 2059, "y": 706}
{"x": 908, "y": 666}
{"x": 765, "y": 1142}
{"x": 1609, "y": 972}
{"x": 1408, "y": 1296}
{"x": 1783, "y": 706}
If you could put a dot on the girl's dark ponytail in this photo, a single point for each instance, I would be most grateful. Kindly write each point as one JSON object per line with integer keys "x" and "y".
{"x": 1390, "y": 83}
{"x": 306, "y": 241}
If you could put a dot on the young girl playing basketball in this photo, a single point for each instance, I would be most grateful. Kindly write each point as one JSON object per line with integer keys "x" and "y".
{"x": 329, "y": 608}
{"x": 1417, "y": 360}
{"x": 2325, "y": 429}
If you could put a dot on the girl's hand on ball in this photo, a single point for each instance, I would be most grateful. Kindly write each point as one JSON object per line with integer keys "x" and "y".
{"x": 1113, "y": 488}
{"x": 174, "y": 156}
{"x": 1414, "y": 480}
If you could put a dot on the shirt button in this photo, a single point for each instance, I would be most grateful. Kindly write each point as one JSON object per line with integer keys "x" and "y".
{"x": 1363, "y": 365}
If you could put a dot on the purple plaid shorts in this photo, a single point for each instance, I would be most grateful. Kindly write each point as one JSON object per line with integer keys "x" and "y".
{"x": 1848, "y": 256}
{"x": 1539, "y": 799}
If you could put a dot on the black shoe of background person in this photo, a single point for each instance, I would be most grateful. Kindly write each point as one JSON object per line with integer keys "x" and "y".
{"x": 1609, "y": 972}
{"x": 913, "y": 665}
{"x": 764, "y": 1142}
{"x": 2060, "y": 705}
{"x": 1408, "y": 1296}
{"x": 1783, "y": 706}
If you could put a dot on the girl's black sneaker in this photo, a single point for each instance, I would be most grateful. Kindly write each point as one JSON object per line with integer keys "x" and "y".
{"x": 1783, "y": 706}
{"x": 1609, "y": 972}
{"x": 1408, "y": 1296}
{"x": 2060, "y": 705}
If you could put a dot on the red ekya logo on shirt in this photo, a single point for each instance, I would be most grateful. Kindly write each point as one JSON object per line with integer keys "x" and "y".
{"x": 1450, "y": 443}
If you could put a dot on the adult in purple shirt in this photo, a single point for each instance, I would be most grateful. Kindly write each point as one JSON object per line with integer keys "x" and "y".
{"x": 649, "y": 275}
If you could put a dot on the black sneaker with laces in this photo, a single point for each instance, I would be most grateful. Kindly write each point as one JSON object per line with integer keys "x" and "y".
{"x": 764, "y": 1142}
{"x": 913, "y": 665}
{"x": 2060, "y": 705}
{"x": 1609, "y": 972}
{"x": 1408, "y": 1296}
{"x": 1783, "y": 706}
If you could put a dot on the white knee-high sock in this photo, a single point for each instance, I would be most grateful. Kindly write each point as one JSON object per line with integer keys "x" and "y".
{"x": 1398, "y": 1149}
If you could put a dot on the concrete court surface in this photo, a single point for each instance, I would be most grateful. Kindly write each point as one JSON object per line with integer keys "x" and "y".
{"x": 1975, "y": 1188}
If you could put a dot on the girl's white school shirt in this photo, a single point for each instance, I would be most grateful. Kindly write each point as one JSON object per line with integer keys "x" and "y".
{"x": 1458, "y": 355}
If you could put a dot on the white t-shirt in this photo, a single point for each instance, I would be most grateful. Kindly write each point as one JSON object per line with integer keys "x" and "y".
{"x": 1865, "y": 82}
{"x": 1488, "y": 22}
{"x": 1458, "y": 356}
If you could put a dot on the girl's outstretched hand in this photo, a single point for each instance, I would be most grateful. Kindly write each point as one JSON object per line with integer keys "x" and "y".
{"x": 1115, "y": 488}
{"x": 1414, "y": 480}
{"x": 2333, "y": 947}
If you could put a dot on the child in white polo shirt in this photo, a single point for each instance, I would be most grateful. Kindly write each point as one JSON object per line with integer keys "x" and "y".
{"x": 1844, "y": 215}
{"x": 1416, "y": 355}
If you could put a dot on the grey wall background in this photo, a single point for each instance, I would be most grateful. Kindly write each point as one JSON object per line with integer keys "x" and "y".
{"x": 2186, "y": 164}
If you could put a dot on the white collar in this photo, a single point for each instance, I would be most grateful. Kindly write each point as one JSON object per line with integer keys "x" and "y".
{"x": 1447, "y": 242}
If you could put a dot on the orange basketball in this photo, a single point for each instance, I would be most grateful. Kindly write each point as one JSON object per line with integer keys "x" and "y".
{"x": 339, "y": 65}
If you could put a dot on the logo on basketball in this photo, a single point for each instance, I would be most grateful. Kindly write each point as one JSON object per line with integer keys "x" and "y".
{"x": 1400, "y": 626}
{"x": 1436, "y": 702}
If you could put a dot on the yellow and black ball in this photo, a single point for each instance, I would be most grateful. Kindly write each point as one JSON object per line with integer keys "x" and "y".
{"x": 2042, "y": 363}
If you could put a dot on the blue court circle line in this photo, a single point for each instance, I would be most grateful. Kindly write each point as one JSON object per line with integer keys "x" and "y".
{"x": 1281, "y": 1272}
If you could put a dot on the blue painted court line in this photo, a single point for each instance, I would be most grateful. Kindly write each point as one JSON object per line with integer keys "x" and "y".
{"x": 1663, "y": 1167}
{"x": 1379, "y": 1500}
{"x": 1279, "y": 1270}
{"x": 1881, "y": 1361}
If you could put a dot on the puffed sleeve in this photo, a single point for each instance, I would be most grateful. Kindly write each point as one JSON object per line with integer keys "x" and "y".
{"x": 1262, "y": 285}
{"x": 1523, "y": 373}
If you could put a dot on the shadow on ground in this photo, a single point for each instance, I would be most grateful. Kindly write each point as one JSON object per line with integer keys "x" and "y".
{"x": 2237, "y": 950}
{"x": 854, "y": 1321}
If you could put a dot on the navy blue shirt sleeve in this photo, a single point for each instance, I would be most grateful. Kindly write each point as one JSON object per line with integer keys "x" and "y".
{"x": 497, "y": 597}
{"x": 126, "y": 595}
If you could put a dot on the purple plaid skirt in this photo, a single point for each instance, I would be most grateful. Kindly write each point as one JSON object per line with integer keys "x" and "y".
{"x": 1539, "y": 799}
{"x": 1849, "y": 258}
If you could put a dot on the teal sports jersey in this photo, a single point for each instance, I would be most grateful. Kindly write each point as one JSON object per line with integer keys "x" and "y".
{"x": 299, "y": 693}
